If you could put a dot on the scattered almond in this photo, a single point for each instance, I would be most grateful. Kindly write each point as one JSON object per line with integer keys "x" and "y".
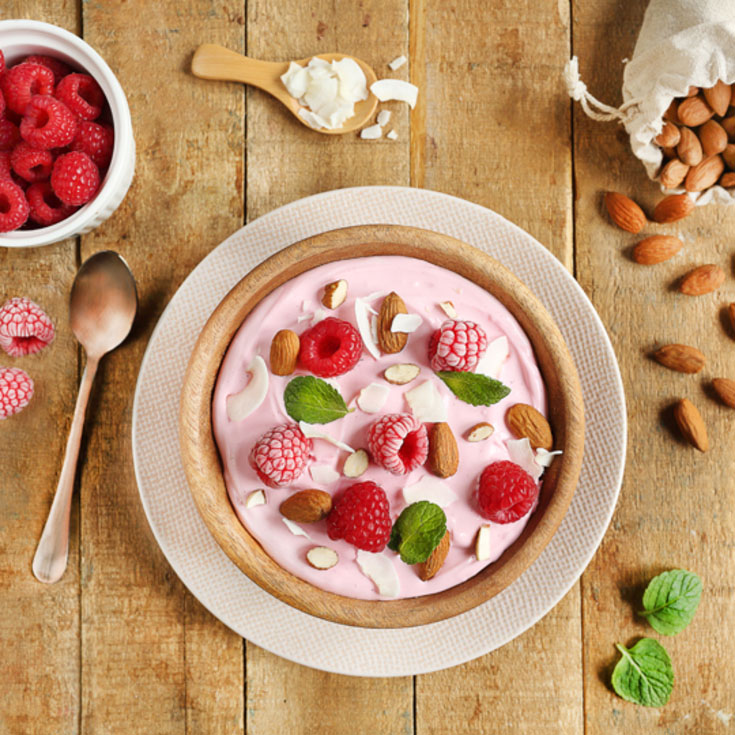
{"x": 525, "y": 421}
{"x": 355, "y": 464}
{"x": 673, "y": 208}
{"x": 702, "y": 280}
{"x": 656, "y": 249}
{"x": 669, "y": 135}
{"x": 257, "y": 497}
{"x": 689, "y": 149}
{"x": 480, "y": 432}
{"x": 443, "y": 452}
{"x": 284, "y": 352}
{"x": 322, "y": 557}
{"x": 335, "y": 294}
{"x": 682, "y": 358}
{"x": 718, "y": 97}
{"x": 306, "y": 506}
{"x": 694, "y": 111}
{"x": 691, "y": 424}
{"x": 713, "y": 138}
{"x": 401, "y": 373}
{"x": 727, "y": 180}
{"x": 624, "y": 212}
{"x": 725, "y": 389}
{"x": 448, "y": 308}
{"x": 434, "y": 563}
{"x": 705, "y": 174}
{"x": 673, "y": 173}
{"x": 391, "y": 342}
{"x": 482, "y": 543}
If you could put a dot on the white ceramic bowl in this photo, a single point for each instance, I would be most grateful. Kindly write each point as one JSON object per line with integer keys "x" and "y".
{"x": 19, "y": 38}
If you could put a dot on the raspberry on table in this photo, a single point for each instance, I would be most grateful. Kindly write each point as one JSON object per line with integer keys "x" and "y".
{"x": 16, "y": 391}
{"x": 74, "y": 178}
{"x": 31, "y": 164}
{"x": 14, "y": 207}
{"x": 97, "y": 141}
{"x": 361, "y": 516}
{"x": 46, "y": 208}
{"x": 23, "y": 81}
{"x": 24, "y": 327}
{"x": 9, "y": 135}
{"x": 506, "y": 492}
{"x": 398, "y": 442}
{"x": 457, "y": 345}
{"x": 59, "y": 68}
{"x": 82, "y": 95}
{"x": 48, "y": 123}
{"x": 281, "y": 455}
{"x": 331, "y": 347}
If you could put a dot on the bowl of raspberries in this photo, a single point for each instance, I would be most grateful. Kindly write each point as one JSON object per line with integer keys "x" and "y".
{"x": 67, "y": 152}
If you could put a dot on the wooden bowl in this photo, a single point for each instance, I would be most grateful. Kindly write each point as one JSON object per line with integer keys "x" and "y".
{"x": 204, "y": 471}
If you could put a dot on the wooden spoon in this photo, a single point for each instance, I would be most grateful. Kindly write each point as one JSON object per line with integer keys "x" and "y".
{"x": 216, "y": 62}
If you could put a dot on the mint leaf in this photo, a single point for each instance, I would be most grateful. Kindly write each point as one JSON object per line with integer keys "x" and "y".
{"x": 670, "y": 601}
{"x": 313, "y": 400}
{"x": 418, "y": 531}
{"x": 644, "y": 674}
{"x": 474, "y": 388}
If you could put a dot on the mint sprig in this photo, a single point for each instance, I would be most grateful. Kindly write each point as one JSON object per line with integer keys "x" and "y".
{"x": 670, "y": 601}
{"x": 644, "y": 675}
{"x": 313, "y": 400}
{"x": 474, "y": 388}
{"x": 418, "y": 531}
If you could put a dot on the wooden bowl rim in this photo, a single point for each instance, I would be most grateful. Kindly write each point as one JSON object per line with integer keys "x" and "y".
{"x": 201, "y": 460}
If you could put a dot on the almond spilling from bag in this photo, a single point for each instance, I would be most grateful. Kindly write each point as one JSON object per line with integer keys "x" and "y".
{"x": 682, "y": 358}
{"x": 705, "y": 174}
{"x": 306, "y": 506}
{"x": 624, "y": 212}
{"x": 656, "y": 249}
{"x": 727, "y": 180}
{"x": 728, "y": 155}
{"x": 436, "y": 560}
{"x": 694, "y": 111}
{"x": 402, "y": 373}
{"x": 391, "y": 342}
{"x": 284, "y": 352}
{"x": 725, "y": 389}
{"x": 691, "y": 425}
{"x": 719, "y": 97}
{"x": 526, "y": 422}
{"x": 713, "y": 138}
{"x": 673, "y": 173}
{"x": 702, "y": 280}
{"x": 669, "y": 135}
{"x": 689, "y": 149}
{"x": 443, "y": 451}
{"x": 480, "y": 432}
{"x": 673, "y": 208}
{"x": 335, "y": 294}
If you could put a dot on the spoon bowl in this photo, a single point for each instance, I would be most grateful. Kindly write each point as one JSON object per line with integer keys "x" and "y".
{"x": 211, "y": 61}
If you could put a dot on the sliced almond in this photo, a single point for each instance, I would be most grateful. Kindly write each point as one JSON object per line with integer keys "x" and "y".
{"x": 673, "y": 208}
{"x": 448, "y": 308}
{"x": 673, "y": 173}
{"x": 689, "y": 149}
{"x": 526, "y": 422}
{"x": 624, "y": 212}
{"x": 702, "y": 280}
{"x": 284, "y": 352}
{"x": 482, "y": 543}
{"x": 705, "y": 174}
{"x": 682, "y": 358}
{"x": 335, "y": 294}
{"x": 718, "y": 97}
{"x": 306, "y": 506}
{"x": 391, "y": 342}
{"x": 402, "y": 373}
{"x": 356, "y": 464}
{"x": 713, "y": 138}
{"x": 694, "y": 111}
{"x": 656, "y": 249}
{"x": 322, "y": 557}
{"x": 480, "y": 432}
{"x": 691, "y": 424}
{"x": 443, "y": 451}
{"x": 436, "y": 560}
{"x": 725, "y": 389}
{"x": 255, "y": 498}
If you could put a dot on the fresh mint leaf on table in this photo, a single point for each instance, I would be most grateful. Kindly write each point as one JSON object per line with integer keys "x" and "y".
{"x": 418, "y": 531}
{"x": 474, "y": 388}
{"x": 670, "y": 601}
{"x": 644, "y": 674}
{"x": 314, "y": 401}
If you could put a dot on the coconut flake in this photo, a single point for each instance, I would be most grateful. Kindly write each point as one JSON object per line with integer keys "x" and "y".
{"x": 520, "y": 452}
{"x": 312, "y": 432}
{"x": 395, "y": 89}
{"x": 397, "y": 63}
{"x": 482, "y": 543}
{"x": 318, "y": 315}
{"x": 312, "y": 119}
{"x": 362, "y": 317}
{"x": 491, "y": 363}
{"x": 544, "y": 457}
{"x": 257, "y": 497}
{"x": 323, "y": 474}
{"x": 429, "y": 488}
{"x": 426, "y": 403}
{"x": 372, "y": 397}
{"x": 296, "y": 80}
{"x": 322, "y": 557}
{"x": 373, "y": 132}
{"x": 295, "y": 529}
{"x": 405, "y": 323}
{"x": 383, "y": 118}
{"x": 241, "y": 405}
{"x": 380, "y": 569}
{"x": 392, "y": 135}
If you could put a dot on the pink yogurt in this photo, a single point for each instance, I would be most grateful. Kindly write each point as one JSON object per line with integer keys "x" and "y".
{"x": 422, "y": 286}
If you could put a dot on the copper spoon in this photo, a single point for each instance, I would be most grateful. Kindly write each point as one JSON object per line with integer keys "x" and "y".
{"x": 217, "y": 62}
{"x": 101, "y": 311}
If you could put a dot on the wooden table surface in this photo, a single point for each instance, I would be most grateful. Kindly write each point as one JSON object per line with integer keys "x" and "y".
{"x": 119, "y": 645}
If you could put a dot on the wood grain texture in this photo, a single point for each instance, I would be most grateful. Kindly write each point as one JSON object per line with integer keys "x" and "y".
{"x": 675, "y": 508}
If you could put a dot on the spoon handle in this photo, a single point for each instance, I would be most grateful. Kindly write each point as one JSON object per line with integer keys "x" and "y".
{"x": 49, "y": 561}
{"x": 211, "y": 61}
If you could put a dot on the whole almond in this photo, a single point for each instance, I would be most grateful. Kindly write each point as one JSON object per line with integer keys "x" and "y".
{"x": 694, "y": 111}
{"x": 691, "y": 424}
{"x": 702, "y": 280}
{"x": 669, "y": 135}
{"x": 689, "y": 149}
{"x": 480, "y": 432}
{"x": 682, "y": 358}
{"x": 670, "y": 113}
{"x": 306, "y": 506}
{"x": 728, "y": 123}
{"x": 624, "y": 212}
{"x": 727, "y": 180}
{"x": 673, "y": 173}
{"x": 728, "y": 155}
{"x": 704, "y": 175}
{"x": 437, "y": 558}
{"x": 725, "y": 390}
{"x": 718, "y": 97}
{"x": 391, "y": 342}
{"x": 443, "y": 452}
{"x": 335, "y": 294}
{"x": 673, "y": 208}
{"x": 656, "y": 249}
{"x": 525, "y": 421}
{"x": 713, "y": 138}
{"x": 284, "y": 352}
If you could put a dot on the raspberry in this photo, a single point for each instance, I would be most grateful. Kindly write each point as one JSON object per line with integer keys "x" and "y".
{"x": 96, "y": 141}
{"x": 2, "y": 102}
{"x": 506, "y": 492}
{"x": 81, "y": 94}
{"x": 361, "y": 516}
{"x": 2, "y": 63}
{"x": 5, "y": 166}
{"x": 16, "y": 391}
{"x": 14, "y": 207}
{"x": 31, "y": 164}
{"x": 457, "y": 345}
{"x": 46, "y": 208}
{"x": 280, "y": 455}
{"x": 398, "y": 442}
{"x": 23, "y": 81}
{"x": 24, "y": 327}
{"x": 9, "y": 135}
{"x": 59, "y": 68}
{"x": 331, "y": 347}
{"x": 75, "y": 179}
{"x": 48, "y": 123}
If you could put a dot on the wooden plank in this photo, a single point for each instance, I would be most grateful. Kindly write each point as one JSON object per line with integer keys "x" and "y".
{"x": 286, "y": 161}
{"x": 675, "y": 508}
{"x": 150, "y": 655}
{"x": 39, "y": 625}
